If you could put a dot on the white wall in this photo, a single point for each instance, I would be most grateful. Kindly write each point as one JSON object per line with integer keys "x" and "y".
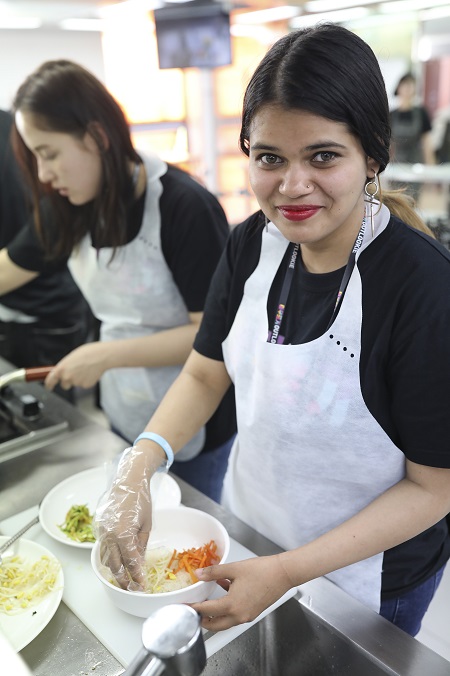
{"x": 21, "y": 51}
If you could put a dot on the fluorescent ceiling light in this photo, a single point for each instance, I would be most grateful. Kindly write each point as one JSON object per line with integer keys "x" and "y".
{"x": 267, "y": 15}
{"x": 380, "y": 20}
{"x": 330, "y": 5}
{"x": 435, "y": 13}
{"x": 398, "y": 6}
{"x": 129, "y": 8}
{"x": 18, "y": 23}
{"x": 340, "y": 16}
{"x": 83, "y": 25}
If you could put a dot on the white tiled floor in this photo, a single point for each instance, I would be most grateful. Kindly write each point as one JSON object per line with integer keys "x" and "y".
{"x": 435, "y": 632}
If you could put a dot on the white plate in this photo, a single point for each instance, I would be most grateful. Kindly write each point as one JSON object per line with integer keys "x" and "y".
{"x": 86, "y": 488}
{"x": 22, "y": 628}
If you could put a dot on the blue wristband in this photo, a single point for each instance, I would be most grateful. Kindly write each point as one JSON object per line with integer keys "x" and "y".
{"x": 161, "y": 442}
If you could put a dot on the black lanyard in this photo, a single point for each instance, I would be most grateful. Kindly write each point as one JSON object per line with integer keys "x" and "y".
{"x": 274, "y": 335}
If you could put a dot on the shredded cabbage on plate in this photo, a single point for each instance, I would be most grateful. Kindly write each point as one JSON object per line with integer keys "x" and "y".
{"x": 24, "y": 583}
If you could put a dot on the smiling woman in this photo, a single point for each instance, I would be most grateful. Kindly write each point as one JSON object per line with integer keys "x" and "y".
{"x": 303, "y": 187}
{"x": 330, "y": 315}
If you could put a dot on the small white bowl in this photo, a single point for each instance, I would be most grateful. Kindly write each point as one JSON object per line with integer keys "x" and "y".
{"x": 175, "y": 528}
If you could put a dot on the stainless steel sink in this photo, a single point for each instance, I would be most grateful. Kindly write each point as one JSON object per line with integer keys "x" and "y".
{"x": 297, "y": 640}
{"x": 291, "y": 641}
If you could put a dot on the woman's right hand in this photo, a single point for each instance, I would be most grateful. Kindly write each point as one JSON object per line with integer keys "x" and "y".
{"x": 83, "y": 367}
{"x": 123, "y": 519}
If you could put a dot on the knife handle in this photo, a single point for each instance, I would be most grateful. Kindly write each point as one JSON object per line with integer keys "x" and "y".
{"x": 37, "y": 373}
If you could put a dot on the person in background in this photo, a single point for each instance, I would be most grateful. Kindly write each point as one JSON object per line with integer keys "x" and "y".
{"x": 440, "y": 135}
{"x": 143, "y": 240}
{"x": 43, "y": 314}
{"x": 411, "y": 131}
{"x": 330, "y": 315}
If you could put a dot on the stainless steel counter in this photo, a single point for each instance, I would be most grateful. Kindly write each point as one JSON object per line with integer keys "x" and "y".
{"x": 326, "y": 632}
{"x": 435, "y": 206}
{"x": 418, "y": 173}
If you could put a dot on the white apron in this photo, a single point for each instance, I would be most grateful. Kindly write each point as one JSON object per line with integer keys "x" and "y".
{"x": 309, "y": 454}
{"x": 134, "y": 296}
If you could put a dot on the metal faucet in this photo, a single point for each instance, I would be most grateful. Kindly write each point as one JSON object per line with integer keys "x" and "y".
{"x": 173, "y": 644}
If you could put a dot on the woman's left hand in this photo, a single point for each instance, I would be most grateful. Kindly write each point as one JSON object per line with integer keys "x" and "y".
{"x": 253, "y": 585}
{"x": 83, "y": 367}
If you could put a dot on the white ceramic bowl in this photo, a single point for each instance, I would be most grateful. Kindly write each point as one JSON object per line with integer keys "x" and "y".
{"x": 176, "y": 528}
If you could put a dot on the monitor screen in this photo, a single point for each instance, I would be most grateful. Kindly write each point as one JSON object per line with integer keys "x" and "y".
{"x": 193, "y": 37}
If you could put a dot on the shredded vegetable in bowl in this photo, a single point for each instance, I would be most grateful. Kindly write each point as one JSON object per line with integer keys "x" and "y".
{"x": 167, "y": 570}
{"x": 24, "y": 583}
{"x": 78, "y": 524}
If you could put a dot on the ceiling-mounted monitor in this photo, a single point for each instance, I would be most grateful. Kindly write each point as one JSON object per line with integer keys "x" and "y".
{"x": 193, "y": 36}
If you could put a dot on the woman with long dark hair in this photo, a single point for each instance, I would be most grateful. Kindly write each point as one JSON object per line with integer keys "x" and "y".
{"x": 143, "y": 239}
{"x": 43, "y": 315}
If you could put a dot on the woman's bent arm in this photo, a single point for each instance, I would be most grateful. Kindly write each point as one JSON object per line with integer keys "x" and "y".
{"x": 85, "y": 366}
{"x": 123, "y": 519}
{"x": 408, "y": 508}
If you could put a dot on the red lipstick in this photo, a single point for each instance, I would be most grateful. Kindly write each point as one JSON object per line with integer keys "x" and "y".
{"x": 298, "y": 212}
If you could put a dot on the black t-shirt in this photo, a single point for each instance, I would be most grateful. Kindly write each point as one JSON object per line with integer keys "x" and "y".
{"x": 13, "y": 212}
{"x": 406, "y": 117}
{"x": 53, "y": 297}
{"x": 184, "y": 205}
{"x": 408, "y": 128}
{"x": 404, "y": 364}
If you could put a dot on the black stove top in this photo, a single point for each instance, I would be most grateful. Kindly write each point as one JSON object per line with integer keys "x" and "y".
{"x": 25, "y": 419}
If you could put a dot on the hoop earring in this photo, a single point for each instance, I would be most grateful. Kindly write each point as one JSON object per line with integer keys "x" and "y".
{"x": 372, "y": 189}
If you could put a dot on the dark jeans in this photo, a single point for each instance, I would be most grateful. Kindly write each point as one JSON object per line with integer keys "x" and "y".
{"x": 206, "y": 472}
{"x": 407, "y": 611}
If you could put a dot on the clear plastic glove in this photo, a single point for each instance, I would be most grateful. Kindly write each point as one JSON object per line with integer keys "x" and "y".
{"x": 252, "y": 585}
{"x": 123, "y": 519}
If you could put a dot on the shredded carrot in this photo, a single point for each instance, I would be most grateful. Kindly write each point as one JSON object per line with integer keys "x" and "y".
{"x": 190, "y": 571}
{"x": 192, "y": 559}
{"x": 172, "y": 558}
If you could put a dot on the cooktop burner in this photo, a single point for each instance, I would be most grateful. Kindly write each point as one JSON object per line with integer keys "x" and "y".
{"x": 24, "y": 419}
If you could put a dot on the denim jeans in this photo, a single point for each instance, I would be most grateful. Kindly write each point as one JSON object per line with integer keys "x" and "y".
{"x": 206, "y": 472}
{"x": 407, "y": 611}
